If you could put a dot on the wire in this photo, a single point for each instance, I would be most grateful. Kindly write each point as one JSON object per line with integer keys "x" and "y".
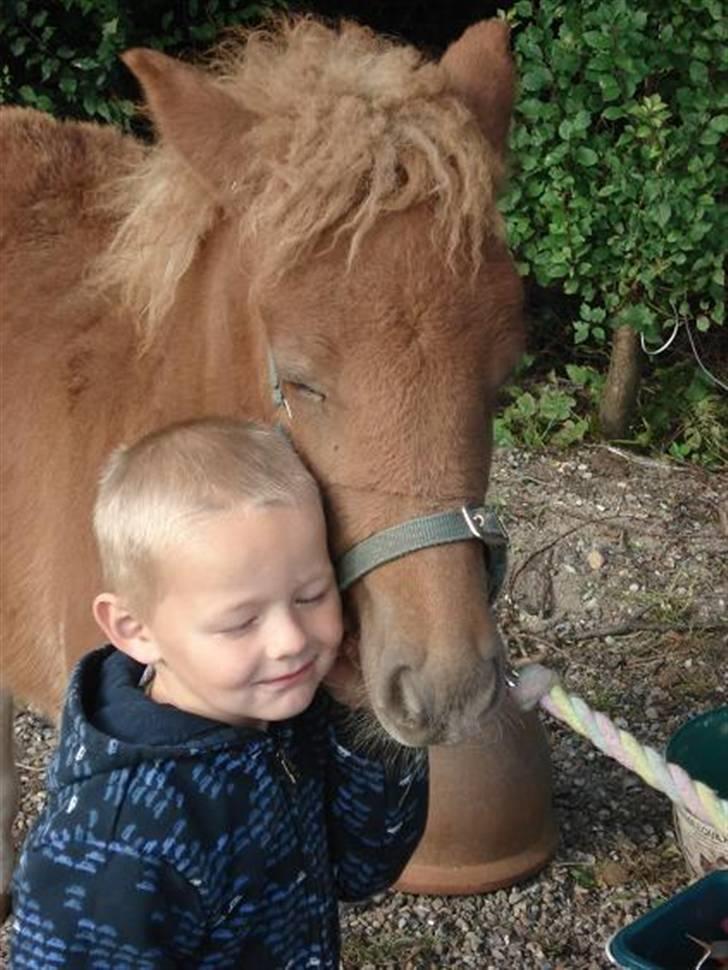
{"x": 654, "y": 353}
{"x": 678, "y": 323}
{"x": 721, "y": 385}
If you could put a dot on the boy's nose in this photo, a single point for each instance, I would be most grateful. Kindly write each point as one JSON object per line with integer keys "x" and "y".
{"x": 287, "y": 636}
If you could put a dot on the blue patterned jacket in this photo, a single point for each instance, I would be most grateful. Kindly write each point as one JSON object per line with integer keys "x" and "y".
{"x": 169, "y": 840}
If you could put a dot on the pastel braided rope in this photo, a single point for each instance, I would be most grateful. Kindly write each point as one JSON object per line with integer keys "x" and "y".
{"x": 537, "y": 684}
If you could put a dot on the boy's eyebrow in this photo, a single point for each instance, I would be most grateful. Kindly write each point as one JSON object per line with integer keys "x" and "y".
{"x": 239, "y": 605}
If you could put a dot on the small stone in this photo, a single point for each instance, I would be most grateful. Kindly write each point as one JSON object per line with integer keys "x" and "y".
{"x": 612, "y": 873}
{"x": 595, "y": 559}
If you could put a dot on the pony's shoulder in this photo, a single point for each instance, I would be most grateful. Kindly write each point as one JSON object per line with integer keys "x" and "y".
{"x": 44, "y": 158}
{"x": 43, "y": 155}
{"x": 33, "y": 127}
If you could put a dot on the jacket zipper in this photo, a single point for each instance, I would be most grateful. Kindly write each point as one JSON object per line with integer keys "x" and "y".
{"x": 289, "y": 771}
{"x": 286, "y": 765}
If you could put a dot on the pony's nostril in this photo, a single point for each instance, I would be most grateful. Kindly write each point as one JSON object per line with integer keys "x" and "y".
{"x": 407, "y": 698}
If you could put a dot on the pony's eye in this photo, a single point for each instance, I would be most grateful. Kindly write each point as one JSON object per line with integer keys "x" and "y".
{"x": 305, "y": 390}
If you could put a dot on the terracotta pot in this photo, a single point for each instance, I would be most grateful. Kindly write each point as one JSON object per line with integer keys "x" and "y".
{"x": 491, "y": 821}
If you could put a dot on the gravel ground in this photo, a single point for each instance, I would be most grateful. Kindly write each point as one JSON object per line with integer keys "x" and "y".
{"x": 619, "y": 581}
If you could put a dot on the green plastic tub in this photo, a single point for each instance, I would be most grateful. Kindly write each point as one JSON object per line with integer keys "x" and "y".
{"x": 658, "y": 940}
{"x": 700, "y": 746}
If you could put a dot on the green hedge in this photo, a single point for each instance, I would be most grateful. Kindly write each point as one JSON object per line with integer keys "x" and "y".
{"x": 63, "y": 56}
{"x": 617, "y": 171}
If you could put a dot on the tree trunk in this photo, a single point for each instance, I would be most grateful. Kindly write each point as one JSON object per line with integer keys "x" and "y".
{"x": 623, "y": 380}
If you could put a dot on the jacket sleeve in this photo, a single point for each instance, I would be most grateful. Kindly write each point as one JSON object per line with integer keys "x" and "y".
{"x": 79, "y": 906}
{"x": 376, "y": 809}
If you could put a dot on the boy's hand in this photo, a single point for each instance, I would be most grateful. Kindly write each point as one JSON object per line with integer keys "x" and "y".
{"x": 344, "y": 681}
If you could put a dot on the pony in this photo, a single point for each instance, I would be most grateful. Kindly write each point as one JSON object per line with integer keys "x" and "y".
{"x": 319, "y": 209}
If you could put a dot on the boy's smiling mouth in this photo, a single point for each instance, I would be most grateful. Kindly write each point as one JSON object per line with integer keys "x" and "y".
{"x": 289, "y": 678}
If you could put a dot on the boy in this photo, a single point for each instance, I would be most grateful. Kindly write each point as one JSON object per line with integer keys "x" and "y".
{"x": 206, "y": 804}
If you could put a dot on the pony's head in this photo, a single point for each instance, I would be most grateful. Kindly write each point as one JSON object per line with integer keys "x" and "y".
{"x": 350, "y": 188}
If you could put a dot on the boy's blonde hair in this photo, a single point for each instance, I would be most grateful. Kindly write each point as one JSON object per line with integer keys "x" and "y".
{"x": 151, "y": 493}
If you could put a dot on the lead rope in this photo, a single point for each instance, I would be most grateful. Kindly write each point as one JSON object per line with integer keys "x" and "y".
{"x": 535, "y": 684}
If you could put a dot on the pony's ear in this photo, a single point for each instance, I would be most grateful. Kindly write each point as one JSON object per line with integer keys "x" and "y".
{"x": 481, "y": 70}
{"x": 201, "y": 121}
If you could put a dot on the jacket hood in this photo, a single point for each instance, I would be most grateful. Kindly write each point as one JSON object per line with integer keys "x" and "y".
{"x": 110, "y": 723}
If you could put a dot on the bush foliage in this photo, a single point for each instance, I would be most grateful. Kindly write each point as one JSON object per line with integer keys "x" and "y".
{"x": 63, "y": 57}
{"x": 617, "y": 200}
{"x": 616, "y": 154}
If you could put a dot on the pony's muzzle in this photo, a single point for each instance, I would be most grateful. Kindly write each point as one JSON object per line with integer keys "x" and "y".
{"x": 415, "y": 709}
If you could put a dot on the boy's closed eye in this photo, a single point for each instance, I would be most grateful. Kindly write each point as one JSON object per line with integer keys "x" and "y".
{"x": 240, "y": 627}
{"x": 314, "y": 591}
{"x": 312, "y": 598}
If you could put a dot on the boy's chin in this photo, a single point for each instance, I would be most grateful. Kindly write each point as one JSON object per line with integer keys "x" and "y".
{"x": 293, "y": 702}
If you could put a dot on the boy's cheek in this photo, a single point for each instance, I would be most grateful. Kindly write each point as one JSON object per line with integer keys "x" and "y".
{"x": 329, "y": 659}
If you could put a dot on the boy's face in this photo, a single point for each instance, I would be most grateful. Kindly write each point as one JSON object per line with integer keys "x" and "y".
{"x": 250, "y": 620}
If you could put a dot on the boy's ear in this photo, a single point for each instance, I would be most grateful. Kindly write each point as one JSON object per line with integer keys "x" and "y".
{"x": 125, "y": 630}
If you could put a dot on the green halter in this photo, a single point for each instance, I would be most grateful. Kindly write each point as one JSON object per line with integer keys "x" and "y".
{"x": 470, "y": 522}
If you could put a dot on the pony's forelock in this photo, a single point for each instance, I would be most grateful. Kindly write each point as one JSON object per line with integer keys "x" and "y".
{"x": 349, "y": 126}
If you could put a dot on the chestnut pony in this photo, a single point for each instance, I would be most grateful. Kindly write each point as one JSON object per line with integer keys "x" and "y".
{"x": 320, "y": 198}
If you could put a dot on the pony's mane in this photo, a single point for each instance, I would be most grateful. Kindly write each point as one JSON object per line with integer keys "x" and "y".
{"x": 348, "y": 126}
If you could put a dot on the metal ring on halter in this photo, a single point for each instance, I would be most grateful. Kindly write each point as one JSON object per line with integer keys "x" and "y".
{"x": 511, "y": 677}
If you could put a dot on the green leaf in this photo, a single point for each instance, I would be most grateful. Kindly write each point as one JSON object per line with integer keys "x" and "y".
{"x": 719, "y": 123}
{"x": 586, "y": 156}
{"x": 596, "y": 39}
{"x": 68, "y": 84}
{"x": 710, "y": 137}
{"x": 524, "y": 8}
{"x": 502, "y": 434}
{"x": 536, "y": 78}
{"x": 578, "y": 375}
{"x": 571, "y": 432}
{"x": 698, "y": 73}
{"x": 662, "y": 213}
{"x": 555, "y": 405}
{"x": 610, "y": 88}
{"x": 526, "y": 404}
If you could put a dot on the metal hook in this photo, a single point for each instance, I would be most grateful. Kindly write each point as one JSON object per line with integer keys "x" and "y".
{"x": 475, "y": 522}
